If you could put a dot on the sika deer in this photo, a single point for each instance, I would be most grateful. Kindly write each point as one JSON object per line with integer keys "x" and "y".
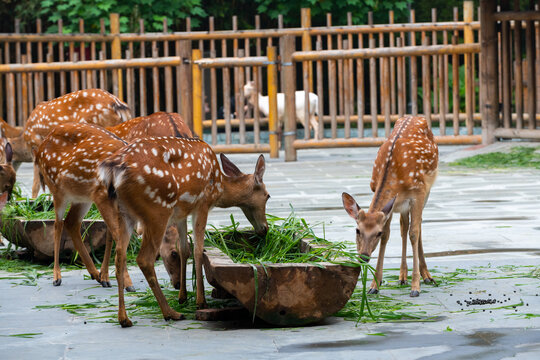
{"x": 7, "y": 176}
{"x": 163, "y": 180}
{"x": 68, "y": 159}
{"x": 93, "y": 106}
{"x": 404, "y": 171}
{"x": 264, "y": 106}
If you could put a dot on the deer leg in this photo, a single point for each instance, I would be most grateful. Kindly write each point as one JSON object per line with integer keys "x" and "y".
{"x": 414, "y": 234}
{"x": 423, "y": 266}
{"x": 36, "y": 183}
{"x": 122, "y": 241}
{"x": 59, "y": 209}
{"x": 104, "y": 270}
{"x": 315, "y": 126}
{"x": 115, "y": 223}
{"x": 152, "y": 236}
{"x": 73, "y": 226}
{"x": 184, "y": 251}
{"x": 374, "y": 289}
{"x": 404, "y": 227}
{"x": 199, "y": 225}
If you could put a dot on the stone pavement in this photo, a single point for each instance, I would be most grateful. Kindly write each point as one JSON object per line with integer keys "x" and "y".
{"x": 483, "y": 226}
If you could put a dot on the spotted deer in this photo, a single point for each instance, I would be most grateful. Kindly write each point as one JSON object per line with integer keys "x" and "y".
{"x": 163, "y": 180}
{"x": 7, "y": 175}
{"x": 67, "y": 160}
{"x": 403, "y": 173}
{"x": 93, "y": 106}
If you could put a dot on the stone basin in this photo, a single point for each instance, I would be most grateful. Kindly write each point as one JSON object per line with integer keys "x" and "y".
{"x": 288, "y": 294}
{"x": 37, "y": 236}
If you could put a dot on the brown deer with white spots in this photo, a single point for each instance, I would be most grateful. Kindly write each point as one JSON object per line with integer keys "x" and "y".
{"x": 161, "y": 181}
{"x": 403, "y": 173}
{"x": 93, "y": 106}
{"x": 67, "y": 160}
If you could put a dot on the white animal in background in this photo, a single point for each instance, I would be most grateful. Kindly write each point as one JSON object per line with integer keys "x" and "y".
{"x": 264, "y": 106}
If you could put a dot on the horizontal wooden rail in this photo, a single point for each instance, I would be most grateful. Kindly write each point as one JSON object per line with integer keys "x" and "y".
{"x": 517, "y": 15}
{"x": 244, "y": 34}
{"x": 233, "y": 61}
{"x": 516, "y": 133}
{"x": 92, "y": 65}
{"x": 244, "y": 148}
{"x": 356, "y": 142}
{"x": 386, "y": 52}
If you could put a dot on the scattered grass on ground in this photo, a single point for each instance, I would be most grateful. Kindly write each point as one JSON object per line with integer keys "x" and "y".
{"x": 518, "y": 157}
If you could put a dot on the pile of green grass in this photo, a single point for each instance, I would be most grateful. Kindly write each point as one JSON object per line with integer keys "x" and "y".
{"x": 282, "y": 244}
{"x": 518, "y": 157}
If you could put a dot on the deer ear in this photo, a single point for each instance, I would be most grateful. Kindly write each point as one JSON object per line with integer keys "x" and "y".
{"x": 228, "y": 167}
{"x": 259, "y": 170}
{"x": 387, "y": 209}
{"x": 9, "y": 153}
{"x": 350, "y": 205}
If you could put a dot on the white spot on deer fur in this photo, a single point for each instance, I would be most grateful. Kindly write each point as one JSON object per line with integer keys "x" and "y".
{"x": 84, "y": 93}
{"x": 411, "y": 174}
{"x": 147, "y": 169}
{"x": 154, "y": 151}
{"x": 99, "y": 106}
{"x": 140, "y": 179}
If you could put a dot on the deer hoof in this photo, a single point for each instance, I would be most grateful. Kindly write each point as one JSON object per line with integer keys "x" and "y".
{"x": 182, "y": 299}
{"x": 429, "y": 281}
{"x": 402, "y": 282}
{"x": 130, "y": 289}
{"x": 415, "y": 293}
{"x": 105, "y": 283}
{"x": 174, "y": 316}
{"x": 373, "y": 291}
{"x": 57, "y": 282}
{"x": 125, "y": 323}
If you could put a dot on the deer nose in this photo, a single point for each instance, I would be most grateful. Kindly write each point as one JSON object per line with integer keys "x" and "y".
{"x": 263, "y": 230}
{"x": 365, "y": 257}
{"x": 177, "y": 285}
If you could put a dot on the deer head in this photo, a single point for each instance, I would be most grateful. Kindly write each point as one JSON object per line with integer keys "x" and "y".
{"x": 369, "y": 226}
{"x": 7, "y": 173}
{"x": 253, "y": 197}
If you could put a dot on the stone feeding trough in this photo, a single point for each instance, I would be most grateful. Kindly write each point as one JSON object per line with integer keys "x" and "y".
{"x": 285, "y": 294}
{"x": 37, "y": 235}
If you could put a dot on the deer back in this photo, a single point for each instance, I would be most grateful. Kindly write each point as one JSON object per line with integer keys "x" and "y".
{"x": 406, "y": 161}
{"x": 154, "y": 125}
{"x": 163, "y": 173}
{"x": 93, "y": 106}
{"x": 69, "y": 155}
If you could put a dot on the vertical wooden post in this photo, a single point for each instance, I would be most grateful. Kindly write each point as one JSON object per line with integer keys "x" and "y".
{"x": 116, "y": 53}
{"x": 320, "y": 91}
{"x": 197, "y": 94}
{"x": 531, "y": 72}
{"x": 468, "y": 38}
{"x": 142, "y": 76}
{"x": 373, "y": 91}
{"x": 213, "y": 85}
{"x": 239, "y": 84}
{"x": 489, "y": 80}
{"x": 19, "y": 84}
{"x": 24, "y": 93}
{"x": 413, "y": 74}
{"x": 289, "y": 88}
{"x": 272, "y": 101}
{"x": 39, "y": 89}
{"x": 306, "y": 42}
{"x": 506, "y": 66}
{"x": 185, "y": 86}
{"x": 167, "y": 73}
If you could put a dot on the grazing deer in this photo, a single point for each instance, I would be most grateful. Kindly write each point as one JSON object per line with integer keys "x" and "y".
{"x": 93, "y": 106}
{"x": 403, "y": 173}
{"x": 67, "y": 160}
{"x": 253, "y": 96}
{"x": 160, "y": 181}
{"x": 7, "y": 175}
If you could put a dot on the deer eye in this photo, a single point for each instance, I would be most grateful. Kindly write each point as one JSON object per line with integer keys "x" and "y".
{"x": 357, "y": 232}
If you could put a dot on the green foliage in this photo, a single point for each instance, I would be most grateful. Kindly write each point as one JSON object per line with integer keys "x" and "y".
{"x": 151, "y": 11}
{"x": 519, "y": 156}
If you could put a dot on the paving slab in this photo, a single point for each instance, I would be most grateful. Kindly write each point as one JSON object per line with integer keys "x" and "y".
{"x": 481, "y": 234}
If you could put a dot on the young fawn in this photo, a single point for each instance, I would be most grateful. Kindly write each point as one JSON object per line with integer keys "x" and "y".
{"x": 163, "y": 180}
{"x": 67, "y": 160}
{"x": 403, "y": 173}
{"x": 93, "y": 106}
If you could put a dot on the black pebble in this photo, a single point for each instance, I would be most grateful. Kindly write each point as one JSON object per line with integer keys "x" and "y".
{"x": 85, "y": 322}
{"x": 489, "y": 294}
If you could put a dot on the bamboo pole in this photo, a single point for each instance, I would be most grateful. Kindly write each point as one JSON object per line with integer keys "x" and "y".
{"x": 272, "y": 101}
{"x": 518, "y": 71}
{"x": 413, "y": 70}
{"x": 360, "y": 93}
{"x": 142, "y": 76}
{"x": 213, "y": 85}
{"x": 82, "y": 47}
{"x": 116, "y": 53}
{"x": 355, "y": 142}
{"x": 167, "y": 72}
{"x": 305, "y": 16}
{"x": 391, "y": 43}
{"x": 489, "y": 78}
{"x": 426, "y": 85}
{"x": 155, "y": 80}
{"x": 435, "y": 64}
{"x": 18, "y": 77}
{"x": 186, "y": 82}
{"x": 40, "y": 84}
{"x": 226, "y": 95}
{"x": 197, "y": 95}
{"x": 373, "y": 90}
{"x": 290, "y": 113}
{"x": 455, "y": 81}
{"x": 239, "y": 84}
{"x": 103, "y": 76}
{"x": 320, "y": 90}
{"x": 346, "y": 93}
{"x": 531, "y": 73}
{"x": 506, "y": 70}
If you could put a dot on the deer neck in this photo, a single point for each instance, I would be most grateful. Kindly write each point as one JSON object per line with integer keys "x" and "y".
{"x": 383, "y": 194}
{"x": 234, "y": 191}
